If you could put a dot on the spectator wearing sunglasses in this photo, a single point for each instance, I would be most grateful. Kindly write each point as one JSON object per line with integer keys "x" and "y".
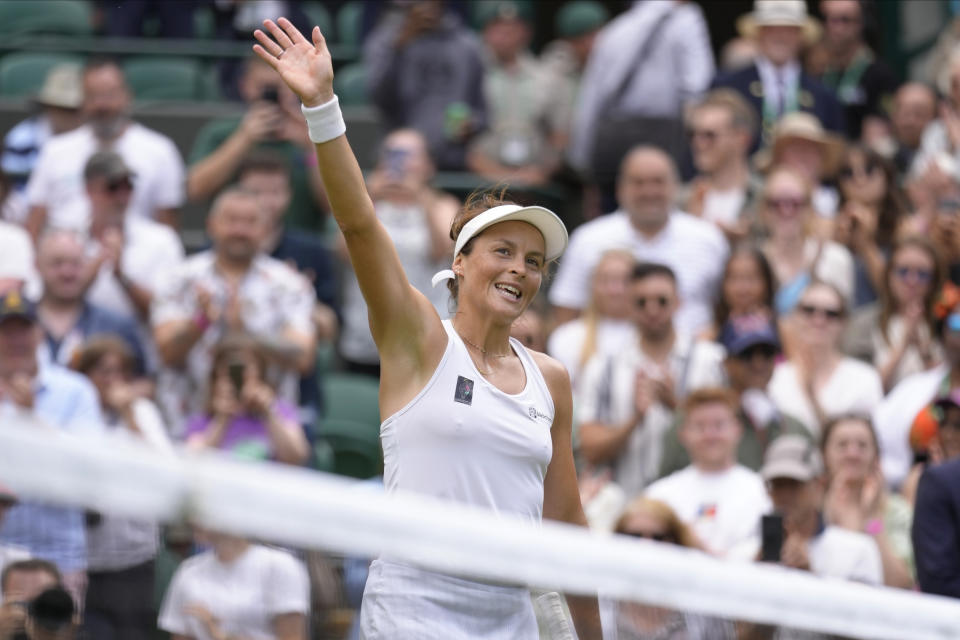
{"x": 626, "y": 401}
{"x": 795, "y": 252}
{"x": 721, "y": 500}
{"x": 872, "y": 207}
{"x": 654, "y": 520}
{"x": 898, "y": 334}
{"x": 752, "y": 347}
{"x": 721, "y": 128}
{"x": 124, "y": 250}
{"x": 817, "y": 380}
{"x": 894, "y": 417}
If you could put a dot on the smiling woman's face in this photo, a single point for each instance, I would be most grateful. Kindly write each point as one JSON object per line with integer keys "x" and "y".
{"x": 504, "y": 269}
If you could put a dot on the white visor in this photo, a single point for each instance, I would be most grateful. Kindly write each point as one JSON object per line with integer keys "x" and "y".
{"x": 545, "y": 221}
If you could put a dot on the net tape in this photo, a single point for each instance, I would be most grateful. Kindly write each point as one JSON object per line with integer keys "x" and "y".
{"x": 312, "y": 510}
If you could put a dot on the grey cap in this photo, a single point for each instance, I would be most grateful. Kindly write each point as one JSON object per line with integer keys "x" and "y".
{"x": 106, "y": 164}
{"x": 791, "y": 456}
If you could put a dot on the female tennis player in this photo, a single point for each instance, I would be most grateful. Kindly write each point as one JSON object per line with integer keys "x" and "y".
{"x": 473, "y": 416}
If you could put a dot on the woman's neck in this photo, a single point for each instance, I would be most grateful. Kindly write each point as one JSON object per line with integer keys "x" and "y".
{"x": 729, "y": 176}
{"x": 482, "y": 333}
{"x": 821, "y": 361}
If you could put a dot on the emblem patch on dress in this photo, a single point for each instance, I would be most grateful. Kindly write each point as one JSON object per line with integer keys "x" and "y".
{"x": 464, "y": 392}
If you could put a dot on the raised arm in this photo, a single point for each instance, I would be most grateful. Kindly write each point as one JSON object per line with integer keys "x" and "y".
{"x": 402, "y": 321}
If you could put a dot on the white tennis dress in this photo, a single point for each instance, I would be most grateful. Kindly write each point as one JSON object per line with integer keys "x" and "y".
{"x": 464, "y": 440}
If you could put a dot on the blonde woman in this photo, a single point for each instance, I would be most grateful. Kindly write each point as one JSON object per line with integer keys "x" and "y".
{"x": 606, "y": 324}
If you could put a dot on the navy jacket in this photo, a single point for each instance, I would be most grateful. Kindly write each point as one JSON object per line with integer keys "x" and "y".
{"x": 813, "y": 98}
{"x": 936, "y": 530}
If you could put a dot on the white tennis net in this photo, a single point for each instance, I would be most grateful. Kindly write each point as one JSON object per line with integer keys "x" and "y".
{"x": 310, "y": 510}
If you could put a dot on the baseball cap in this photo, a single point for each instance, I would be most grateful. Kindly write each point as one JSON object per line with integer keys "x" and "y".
{"x": 580, "y": 17}
{"x": 13, "y": 304}
{"x": 742, "y": 332}
{"x": 106, "y": 164}
{"x": 791, "y": 456}
{"x": 487, "y": 12}
{"x": 62, "y": 87}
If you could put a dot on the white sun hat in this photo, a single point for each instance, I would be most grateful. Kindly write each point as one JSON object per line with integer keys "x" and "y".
{"x": 773, "y": 13}
{"x": 548, "y": 223}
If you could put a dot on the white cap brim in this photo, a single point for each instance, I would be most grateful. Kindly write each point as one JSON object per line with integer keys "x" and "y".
{"x": 545, "y": 221}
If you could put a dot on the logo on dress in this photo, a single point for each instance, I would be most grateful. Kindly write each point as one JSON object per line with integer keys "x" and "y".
{"x": 464, "y": 392}
{"x": 534, "y": 414}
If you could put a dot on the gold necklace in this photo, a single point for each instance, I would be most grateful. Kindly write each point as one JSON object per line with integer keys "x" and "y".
{"x": 484, "y": 353}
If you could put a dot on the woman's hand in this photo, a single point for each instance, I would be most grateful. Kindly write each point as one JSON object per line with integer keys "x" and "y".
{"x": 304, "y": 66}
{"x": 258, "y": 397}
{"x": 225, "y": 404}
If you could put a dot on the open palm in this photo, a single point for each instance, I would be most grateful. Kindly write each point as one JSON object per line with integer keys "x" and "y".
{"x": 304, "y": 66}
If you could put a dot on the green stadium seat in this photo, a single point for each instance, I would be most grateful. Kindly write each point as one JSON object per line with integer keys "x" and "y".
{"x": 324, "y": 457}
{"x": 356, "y": 448}
{"x": 165, "y": 78}
{"x": 319, "y": 16}
{"x": 353, "y": 397}
{"x": 60, "y": 17}
{"x": 350, "y": 23}
{"x": 23, "y": 73}
{"x": 350, "y": 84}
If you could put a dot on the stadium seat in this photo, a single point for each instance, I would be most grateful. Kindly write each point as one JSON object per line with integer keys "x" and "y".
{"x": 349, "y": 23}
{"x": 356, "y": 448}
{"x": 353, "y": 397}
{"x": 164, "y": 78}
{"x": 22, "y": 74}
{"x": 350, "y": 84}
{"x": 319, "y": 16}
{"x": 61, "y": 17}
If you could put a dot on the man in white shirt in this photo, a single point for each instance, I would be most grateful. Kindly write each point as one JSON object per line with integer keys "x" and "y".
{"x": 626, "y": 402}
{"x": 649, "y": 227}
{"x": 721, "y": 500}
{"x": 128, "y": 254}
{"x": 56, "y": 187}
{"x": 233, "y": 287}
{"x": 721, "y": 127}
{"x": 792, "y": 470}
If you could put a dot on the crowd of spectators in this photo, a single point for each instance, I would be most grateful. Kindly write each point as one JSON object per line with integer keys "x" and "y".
{"x": 759, "y": 308}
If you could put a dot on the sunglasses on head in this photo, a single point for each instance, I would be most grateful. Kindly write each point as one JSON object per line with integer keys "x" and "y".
{"x": 920, "y": 275}
{"x": 661, "y": 301}
{"x": 656, "y": 537}
{"x": 868, "y": 168}
{"x": 810, "y": 311}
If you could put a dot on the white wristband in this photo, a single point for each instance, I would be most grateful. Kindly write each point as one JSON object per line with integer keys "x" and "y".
{"x": 324, "y": 121}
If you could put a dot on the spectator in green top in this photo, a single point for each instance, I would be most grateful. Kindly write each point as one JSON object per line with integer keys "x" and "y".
{"x": 752, "y": 347}
{"x": 272, "y": 121}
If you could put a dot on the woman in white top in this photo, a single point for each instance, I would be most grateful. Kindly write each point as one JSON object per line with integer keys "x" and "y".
{"x": 237, "y": 591}
{"x": 898, "y": 333}
{"x": 817, "y": 381}
{"x": 795, "y": 253}
{"x": 473, "y": 416}
{"x": 120, "y": 551}
{"x": 606, "y": 325}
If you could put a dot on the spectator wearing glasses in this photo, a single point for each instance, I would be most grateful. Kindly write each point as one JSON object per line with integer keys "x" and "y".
{"x": 898, "y": 334}
{"x": 817, "y": 380}
{"x": 654, "y": 520}
{"x": 861, "y": 82}
{"x": 721, "y": 500}
{"x": 796, "y": 255}
{"x": 721, "y": 128}
{"x": 626, "y": 401}
{"x": 872, "y": 208}
{"x": 899, "y": 410}
{"x": 752, "y": 347}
